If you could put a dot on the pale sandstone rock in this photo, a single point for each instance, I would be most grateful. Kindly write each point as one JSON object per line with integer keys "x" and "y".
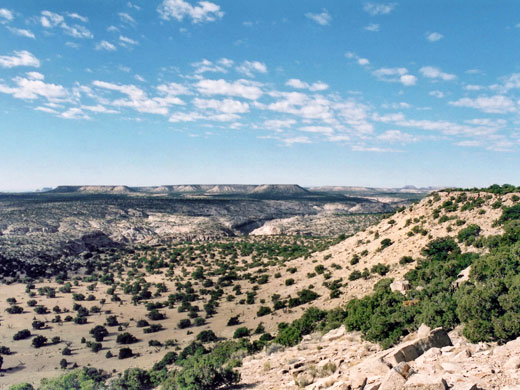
{"x": 401, "y": 286}
{"x": 513, "y": 363}
{"x": 464, "y": 386}
{"x": 425, "y": 382}
{"x": 451, "y": 367}
{"x": 403, "y": 369}
{"x": 413, "y": 349}
{"x": 462, "y": 277}
{"x": 392, "y": 381}
{"x": 335, "y": 334}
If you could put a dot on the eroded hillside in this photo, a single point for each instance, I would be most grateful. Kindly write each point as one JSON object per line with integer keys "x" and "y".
{"x": 178, "y": 300}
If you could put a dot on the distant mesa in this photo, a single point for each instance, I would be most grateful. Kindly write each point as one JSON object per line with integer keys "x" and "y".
{"x": 93, "y": 189}
{"x": 374, "y": 190}
{"x": 280, "y": 189}
{"x": 249, "y": 190}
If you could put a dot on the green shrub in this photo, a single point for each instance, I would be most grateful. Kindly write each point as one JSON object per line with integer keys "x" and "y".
{"x": 22, "y": 334}
{"x": 39, "y": 341}
{"x": 263, "y": 310}
{"x": 126, "y": 338}
{"x": 184, "y": 323}
{"x": 385, "y": 243}
{"x": 380, "y": 269}
{"x": 99, "y": 332}
{"x": 125, "y": 353}
{"x": 207, "y": 336}
{"x": 241, "y": 332}
{"x": 469, "y": 234}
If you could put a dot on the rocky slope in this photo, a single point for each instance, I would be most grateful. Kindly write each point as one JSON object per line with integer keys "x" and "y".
{"x": 426, "y": 360}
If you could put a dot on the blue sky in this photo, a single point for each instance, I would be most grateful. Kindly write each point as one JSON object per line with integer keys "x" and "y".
{"x": 226, "y": 91}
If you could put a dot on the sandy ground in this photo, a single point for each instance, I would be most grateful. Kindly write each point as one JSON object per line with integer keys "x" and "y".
{"x": 28, "y": 364}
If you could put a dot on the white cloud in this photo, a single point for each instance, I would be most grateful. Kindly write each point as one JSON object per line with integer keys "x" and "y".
{"x": 437, "y": 94}
{"x": 432, "y": 72}
{"x": 373, "y": 149}
{"x": 397, "y": 136}
{"x": 227, "y": 106}
{"x": 474, "y": 129}
{"x": 99, "y": 109}
{"x": 400, "y": 75}
{"x": 31, "y": 88}
{"x": 205, "y": 11}
{"x": 361, "y": 61}
{"x": 35, "y": 75}
{"x": 396, "y": 105}
{"x": 19, "y": 58}
{"x": 126, "y": 18}
{"x": 507, "y": 83}
{"x": 138, "y": 100}
{"x": 6, "y": 14}
{"x": 104, "y": 45}
{"x": 50, "y": 20}
{"x": 249, "y": 67}
{"x": 322, "y": 18}
{"x": 372, "y": 27}
{"x": 278, "y": 124}
{"x": 468, "y": 143}
{"x": 408, "y": 79}
{"x": 473, "y": 87}
{"x": 185, "y": 117}
{"x": 296, "y": 140}
{"x": 127, "y": 40}
{"x": 318, "y": 129}
{"x": 240, "y": 88}
{"x": 394, "y": 117}
{"x": 299, "y": 84}
{"x": 46, "y": 109}
{"x": 378, "y": 8}
{"x": 173, "y": 89}
{"x": 77, "y": 31}
{"x": 74, "y": 15}
{"x": 221, "y": 66}
{"x": 434, "y": 36}
{"x": 496, "y": 104}
{"x": 74, "y": 113}
{"x": 355, "y": 115}
{"x": 389, "y": 72}
{"x": 21, "y": 32}
{"x": 299, "y": 104}
{"x": 134, "y": 6}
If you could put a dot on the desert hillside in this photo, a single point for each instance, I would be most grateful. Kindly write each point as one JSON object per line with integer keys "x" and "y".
{"x": 211, "y": 303}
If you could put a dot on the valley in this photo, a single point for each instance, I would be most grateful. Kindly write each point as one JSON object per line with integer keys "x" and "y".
{"x": 151, "y": 312}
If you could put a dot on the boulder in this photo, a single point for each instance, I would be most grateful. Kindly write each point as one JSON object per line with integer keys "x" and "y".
{"x": 392, "y": 381}
{"x": 462, "y": 277}
{"x": 425, "y": 382}
{"x": 401, "y": 286}
{"x": 411, "y": 350}
{"x": 335, "y": 334}
{"x": 465, "y": 386}
{"x": 403, "y": 369}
